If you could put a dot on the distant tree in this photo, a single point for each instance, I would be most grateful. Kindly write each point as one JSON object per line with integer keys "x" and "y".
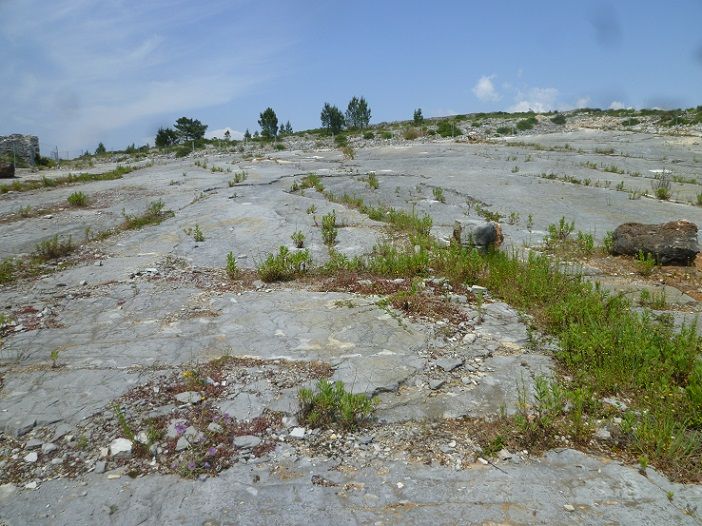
{"x": 247, "y": 134}
{"x": 227, "y": 135}
{"x": 269, "y": 123}
{"x": 418, "y": 118}
{"x": 358, "y": 113}
{"x": 256, "y": 134}
{"x": 189, "y": 129}
{"x": 332, "y": 118}
{"x": 288, "y": 128}
{"x": 100, "y": 149}
{"x": 165, "y": 137}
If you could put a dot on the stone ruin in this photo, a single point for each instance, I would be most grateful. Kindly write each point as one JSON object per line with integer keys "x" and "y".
{"x": 25, "y": 148}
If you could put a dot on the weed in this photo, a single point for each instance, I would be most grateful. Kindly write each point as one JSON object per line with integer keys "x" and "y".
{"x": 608, "y": 241}
{"x": 198, "y": 236}
{"x": 561, "y": 231}
{"x": 373, "y": 181}
{"x": 285, "y": 265}
{"x": 620, "y": 186}
{"x": 439, "y": 194}
{"x": 368, "y": 135}
{"x": 515, "y": 170}
{"x": 78, "y": 199}
{"x": 26, "y": 211}
{"x": 53, "y": 248}
{"x": 411, "y": 134}
{"x": 585, "y": 242}
{"x": 124, "y": 426}
{"x": 298, "y": 238}
{"x": 329, "y": 230}
{"x": 311, "y": 209}
{"x": 7, "y": 270}
{"x": 487, "y": 214}
{"x": 153, "y": 215}
{"x": 54, "y": 355}
{"x": 655, "y": 301}
{"x": 348, "y": 152}
{"x": 645, "y": 263}
{"x": 513, "y": 218}
{"x": 530, "y": 222}
{"x": 231, "y": 267}
{"x": 331, "y": 405}
{"x": 386, "y": 134}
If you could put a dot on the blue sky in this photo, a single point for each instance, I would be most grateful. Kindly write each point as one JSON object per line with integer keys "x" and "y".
{"x": 76, "y": 72}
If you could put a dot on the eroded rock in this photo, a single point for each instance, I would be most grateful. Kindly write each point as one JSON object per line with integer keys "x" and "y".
{"x": 673, "y": 242}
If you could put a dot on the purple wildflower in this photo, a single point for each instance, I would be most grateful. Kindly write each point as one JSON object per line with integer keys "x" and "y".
{"x": 191, "y": 466}
{"x": 180, "y": 427}
{"x": 211, "y": 452}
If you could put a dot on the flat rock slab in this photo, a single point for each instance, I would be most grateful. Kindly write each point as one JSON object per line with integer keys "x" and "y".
{"x": 564, "y": 487}
{"x": 46, "y": 397}
{"x": 495, "y": 392}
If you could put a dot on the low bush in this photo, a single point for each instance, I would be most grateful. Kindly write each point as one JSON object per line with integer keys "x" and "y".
{"x": 331, "y": 405}
{"x": 285, "y": 265}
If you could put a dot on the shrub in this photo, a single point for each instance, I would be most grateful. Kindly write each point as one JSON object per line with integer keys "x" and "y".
{"x": 78, "y": 199}
{"x": 341, "y": 140}
{"x": 368, "y": 135}
{"x": 285, "y": 265}
{"x": 348, "y": 152}
{"x": 333, "y": 406}
{"x": 645, "y": 263}
{"x": 559, "y": 119}
{"x": 386, "y": 134}
{"x": 630, "y": 122}
{"x": 329, "y": 230}
{"x": 561, "y": 231}
{"x": 153, "y": 215}
{"x": 448, "y": 128}
{"x": 526, "y": 124}
{"x": 53, "y": 248}
{"x": 504, "y": 130}
{"x": 411, "y": 134}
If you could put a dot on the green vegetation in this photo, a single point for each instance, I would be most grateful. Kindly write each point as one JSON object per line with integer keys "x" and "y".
{"x": 231, "y": 266}
{"x": 298, "y": 239}
{"x": 373, "y": 181}
{"x": 285, "y": 265}
{"x": 504, "y": 130}
{"x": 78, "y": 199}
{"x": 53, "y": 248}
{"x": 198, "y": 236}
{"x": 332, "y": 119}
{"x": 439, "y": 194}
{"x": 417, "y": 117}
{"x": 153, "y": 215}
{"x": 331, "y": 405}
{"x": 559, "y": 119}
{"x": 411, "y": 134}
{"x": 448, "y": 128}
{"x": 358, "y": 113}
{"x": 268, "y": 121}
{"x": 526, "y": 124}
{"x": 329, "y": 230}
{"x": 45, "y": 182}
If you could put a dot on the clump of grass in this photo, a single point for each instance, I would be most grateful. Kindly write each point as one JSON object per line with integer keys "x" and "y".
{"x": 298, "y": 239}
{"x": 153, "y": 215}
{"x": 331, "y": 405}
{"x": 285, "y": 265}
{"x": 385, "y": 134}
{"x": 53, "y": 248}
{"x": 348, "y": 152}
{"x": 25, "y": 211}
{"x": 373, "y": 181}
{"x": 198, "y": 236}
{"x": 368, "y": 135}
{"x": 312, "y": 180}
{"x": 78, "y": 199}
{"x": 231, "y": 266}
{"x": 7, "y": 270}
{"x": 526, "y": 124}
{"x": 645, "y": 263}
{"x": 439, "y": 194}
{"x": 329, "y": 230}
{"x": 486, "y": 214}
{"x": 399, "y": 260}
{"x": 69, "y": 179}
{"x": 311, "y": 209}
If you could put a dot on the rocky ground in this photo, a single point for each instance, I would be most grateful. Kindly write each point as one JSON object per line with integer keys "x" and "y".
{"x": 141, "y": 385}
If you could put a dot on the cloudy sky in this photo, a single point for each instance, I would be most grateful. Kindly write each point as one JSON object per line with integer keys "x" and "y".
{"x": 76, "y": 72}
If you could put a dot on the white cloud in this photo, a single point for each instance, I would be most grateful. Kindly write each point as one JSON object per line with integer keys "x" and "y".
{"x": 582, "y": 102}
{"x": 485, "y": 90}
{"x": 616, "y": 105}
{"x": 536, "y": 99}
{"x": 219, "y": 134}
{"x": 92, "y": 70}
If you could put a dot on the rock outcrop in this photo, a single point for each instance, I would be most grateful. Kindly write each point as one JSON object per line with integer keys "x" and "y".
{"x": 674, "y": 242}
{"x": 24, "y": 148}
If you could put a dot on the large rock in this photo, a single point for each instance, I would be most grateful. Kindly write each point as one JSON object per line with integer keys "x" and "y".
{"x": 477, "y": 233}
{"x": 7, "y": 170}
{"x": 24, "y": 148}
{"x": 674, "y": 242}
